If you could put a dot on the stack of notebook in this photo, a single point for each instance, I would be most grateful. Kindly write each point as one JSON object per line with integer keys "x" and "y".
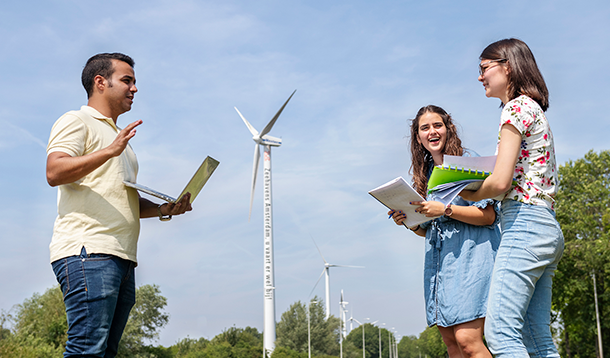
{"x": 456, "y": 174}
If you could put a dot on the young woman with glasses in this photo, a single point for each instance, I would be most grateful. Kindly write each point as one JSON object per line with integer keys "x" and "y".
{"x": 518, "y": 311}
{"x": 460, "y": 244}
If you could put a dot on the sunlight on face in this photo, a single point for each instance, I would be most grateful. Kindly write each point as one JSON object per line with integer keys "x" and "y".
{"x": 432, "y": 133}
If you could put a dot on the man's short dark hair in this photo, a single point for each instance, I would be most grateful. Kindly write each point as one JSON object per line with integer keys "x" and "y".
{"x": 101, "y": 64}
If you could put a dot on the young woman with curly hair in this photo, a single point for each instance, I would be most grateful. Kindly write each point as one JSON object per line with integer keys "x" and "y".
{"x": 460, "y": 245}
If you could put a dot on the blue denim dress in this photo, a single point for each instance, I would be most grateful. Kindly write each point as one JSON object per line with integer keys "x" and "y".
{"x": 457, "y": 268}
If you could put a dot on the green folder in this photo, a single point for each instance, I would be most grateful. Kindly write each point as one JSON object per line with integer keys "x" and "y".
{"x": 442, "y": 175}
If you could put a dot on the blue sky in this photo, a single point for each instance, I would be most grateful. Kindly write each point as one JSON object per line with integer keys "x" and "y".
{"x": 361, "y": 70}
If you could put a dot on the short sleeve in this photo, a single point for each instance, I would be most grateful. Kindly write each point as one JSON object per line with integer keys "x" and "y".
{"x": 485, "y": 203}
{"x": 517, "y": 114}
{"x": 68, "y": 135}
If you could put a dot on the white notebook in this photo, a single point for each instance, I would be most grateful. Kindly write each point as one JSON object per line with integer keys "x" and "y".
{"x": 397, "y": 195}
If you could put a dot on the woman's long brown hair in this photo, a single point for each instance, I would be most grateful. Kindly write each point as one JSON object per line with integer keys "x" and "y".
{"x": 421, "y": 159}
{"x": 524, "y": 77}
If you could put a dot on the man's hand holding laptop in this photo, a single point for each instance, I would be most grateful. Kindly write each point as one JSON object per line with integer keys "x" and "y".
{"x": 177, "y": 208}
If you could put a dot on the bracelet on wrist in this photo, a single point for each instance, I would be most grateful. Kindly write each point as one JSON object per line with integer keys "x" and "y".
{"x": 161, "y": 216}
{"x": 414, "y": 229}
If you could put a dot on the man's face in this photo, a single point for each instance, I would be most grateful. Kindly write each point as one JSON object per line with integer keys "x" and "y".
{"x": 120, "y": 88}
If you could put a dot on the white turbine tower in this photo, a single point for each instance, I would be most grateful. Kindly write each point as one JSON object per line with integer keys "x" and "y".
{"x": 326, "y": 272}
{"x": 342, "y": 305}
{"x": 267, "y": 142}
{"x": 342, "y": 323}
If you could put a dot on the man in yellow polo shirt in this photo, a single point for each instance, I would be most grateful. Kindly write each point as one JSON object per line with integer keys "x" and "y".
{"x": 94, "y": 244}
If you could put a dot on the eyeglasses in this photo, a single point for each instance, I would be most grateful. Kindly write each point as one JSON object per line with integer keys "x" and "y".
{"x": 482, "y": 69}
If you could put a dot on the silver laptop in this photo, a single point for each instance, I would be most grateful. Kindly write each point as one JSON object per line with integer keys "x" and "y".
{"x": 194, "y": 186}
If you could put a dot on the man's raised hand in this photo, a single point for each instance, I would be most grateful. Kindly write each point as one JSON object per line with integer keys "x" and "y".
{"x": 120, "y": 142}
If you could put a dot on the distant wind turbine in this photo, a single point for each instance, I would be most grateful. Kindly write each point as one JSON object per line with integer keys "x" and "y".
{"x": 351, "y": 323}
{"x": 342, "y": 322}
{"x": 326, "y": 272}
{"x": 267, "y": 142}
{"x": 342, "y": 305}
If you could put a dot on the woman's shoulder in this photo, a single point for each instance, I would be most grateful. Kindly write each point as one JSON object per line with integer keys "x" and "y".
{"x": 522, "y": 103}
{"x": 522, "y": 112}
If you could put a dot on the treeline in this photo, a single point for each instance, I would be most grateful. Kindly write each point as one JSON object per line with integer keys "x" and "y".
{"x": 37, "y": 327}
{"x": 583, "y": 210}
{"x": 38, "y": 330}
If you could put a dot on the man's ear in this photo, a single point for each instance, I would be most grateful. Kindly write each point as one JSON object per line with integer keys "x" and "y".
{"x": 99, "y": 83}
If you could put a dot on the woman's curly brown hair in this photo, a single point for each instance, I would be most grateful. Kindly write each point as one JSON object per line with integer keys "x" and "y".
{"x": 421, "y": 159}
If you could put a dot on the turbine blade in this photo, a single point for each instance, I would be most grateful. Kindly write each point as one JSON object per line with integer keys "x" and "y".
{"x": 269, "y": 125}
{"x": 314, "y": 242}
{"x": 257, "y": 156}
{"x": 331, "y": 265}
{"x": 252, "y": 130}
{"x": 314, "y": 286}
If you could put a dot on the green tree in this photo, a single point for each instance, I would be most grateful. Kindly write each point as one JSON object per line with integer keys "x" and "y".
{"x": 39, "y": 328}
{"x": 44, "y": 317}
{"x": 5, "y": 332}
{"x": 371, "y": 341}
{"x": 583, "y": 210}
{"x": 146, "y": 318}
{"x": 189, "y": 348}
{"x": 244, "y": 342}
{"x": 350, "y": 350}
{"x": 408, "y": 347}
{"x": 284, "y": 352}
{"x": 431, "y": 343}
{"x": 292, "y": 329}
{"x": 387, "y": 338}
{"x": 230, "y": 343}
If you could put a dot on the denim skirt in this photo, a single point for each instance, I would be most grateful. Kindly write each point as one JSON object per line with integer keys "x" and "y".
{"x": 458, "y": 264}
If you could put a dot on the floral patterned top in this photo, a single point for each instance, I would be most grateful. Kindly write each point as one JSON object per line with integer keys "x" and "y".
{"x": 536, "y": 169}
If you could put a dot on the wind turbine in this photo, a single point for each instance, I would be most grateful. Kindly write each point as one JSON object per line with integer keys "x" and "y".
{"x": 351, "y": 322}
{"x": 342, "y": 305}
{"x": 342, "y": 329}
{"x": 267, "y": 142}
{"x": 326, "y": 272}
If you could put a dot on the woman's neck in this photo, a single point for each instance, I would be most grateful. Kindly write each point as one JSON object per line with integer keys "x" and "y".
{"x": 438, "y": 159}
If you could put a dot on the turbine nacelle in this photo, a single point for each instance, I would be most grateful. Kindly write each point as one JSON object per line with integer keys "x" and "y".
{"x": 267, "y": 140}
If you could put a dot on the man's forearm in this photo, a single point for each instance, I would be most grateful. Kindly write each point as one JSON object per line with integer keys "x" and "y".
{"x": 148, "y": 209}
{"x": 64, "y": 169}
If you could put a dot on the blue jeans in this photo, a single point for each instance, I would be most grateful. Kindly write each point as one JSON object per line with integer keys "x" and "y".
{"x": 519, "y": 307}
{"x": 99, "y": 291}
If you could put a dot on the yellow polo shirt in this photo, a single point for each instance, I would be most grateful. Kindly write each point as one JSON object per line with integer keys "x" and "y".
{"x": 98, "y": 211}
